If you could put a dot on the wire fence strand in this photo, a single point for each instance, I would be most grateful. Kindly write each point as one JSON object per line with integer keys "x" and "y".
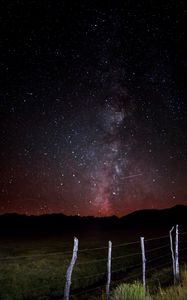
{"x": 119, "y": 272}
{"x": 157, "y": 238}
{"x": 86, "y": 249}
{"x": 157, "y": 248}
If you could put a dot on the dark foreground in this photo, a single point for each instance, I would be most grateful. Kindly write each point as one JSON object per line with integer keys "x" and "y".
{"x": 35, "y": 253}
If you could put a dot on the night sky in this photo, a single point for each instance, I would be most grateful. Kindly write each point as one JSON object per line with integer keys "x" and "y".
{"x": 92, "y": 106}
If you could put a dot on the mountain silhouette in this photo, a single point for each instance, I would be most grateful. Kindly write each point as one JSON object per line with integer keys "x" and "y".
{"x": 13, "y": 224}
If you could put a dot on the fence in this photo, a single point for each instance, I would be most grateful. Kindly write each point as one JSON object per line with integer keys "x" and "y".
{"x": 144, "y": 264}
{"x": 92, "y": 270}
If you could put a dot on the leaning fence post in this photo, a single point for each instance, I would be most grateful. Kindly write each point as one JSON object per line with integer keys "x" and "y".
{"x": 177, "y": 255}
{"x": 109, "y": 270}
{"x": 70, "y": 270}
{"x": 172, "y": 254}
{"x": 143, "y": 260}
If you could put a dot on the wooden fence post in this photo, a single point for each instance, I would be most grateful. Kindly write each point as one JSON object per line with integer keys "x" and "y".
{"x": 143, "y": 260}
{"x": 109, "y": 270}
{"x": 177, "y": 255}
{"x": 70, "y": 270}
{"x": 172, "y": 254}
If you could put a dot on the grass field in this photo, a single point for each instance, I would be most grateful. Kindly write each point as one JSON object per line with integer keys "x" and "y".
{"x": 136, "y": 291}
{"x": 36, "y": 268}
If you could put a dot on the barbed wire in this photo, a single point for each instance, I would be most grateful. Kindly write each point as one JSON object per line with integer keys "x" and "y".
{"x": 157, "y": 248}
{"x": 128, "y": 266}
{"x": 43, "y": 255}
{"x": 158, "y": 257}
{"x": 126, "y": 278}
{"x": 18, "y": 257}
{"x": 158, "y": 266}
{"x": 112, "y": 272}
{"x": 182, "y": 233}
{"x": 120, "y": 280}
{"x": 127, "y": 255}
{"x": 105, "y": 259}
{"x": 124, "y": 256}
{"x": 157, "y": 238}
{"x": 126, "y": 244}
{"x": 102, "y": 286}
{"x": 91, "y": 261}
{"x": 93, "y": 249}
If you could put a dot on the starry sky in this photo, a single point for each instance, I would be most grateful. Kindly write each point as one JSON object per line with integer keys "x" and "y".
{"x": 92, "y": 106}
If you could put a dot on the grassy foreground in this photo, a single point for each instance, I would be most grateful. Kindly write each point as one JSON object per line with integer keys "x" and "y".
{"x": 135, "y": 291}
{"x": 36, "y": 269}
{"x": 178, "y": 292}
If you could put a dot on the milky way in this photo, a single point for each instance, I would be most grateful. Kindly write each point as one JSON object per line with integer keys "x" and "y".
{"x": 92, "y": 107}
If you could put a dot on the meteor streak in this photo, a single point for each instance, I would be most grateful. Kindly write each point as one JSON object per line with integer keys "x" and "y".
{"x": 131, "y": 176}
